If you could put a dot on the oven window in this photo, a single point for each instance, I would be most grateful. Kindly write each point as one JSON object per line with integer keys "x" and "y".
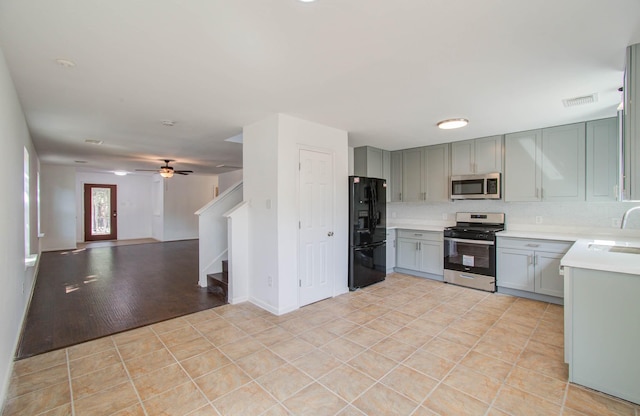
{"x": 468, "y": 187}
{"x": 468, "y": 255}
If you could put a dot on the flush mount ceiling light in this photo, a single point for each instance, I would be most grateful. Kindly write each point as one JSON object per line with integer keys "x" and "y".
{"x": 65, "y": 63}
{"x": 120, "y": 172}
{"x": 306, "y": 1}
{"x": 168, "y": 123}
{"x": 94, "y": 141}
{"x": 452, "y": 123}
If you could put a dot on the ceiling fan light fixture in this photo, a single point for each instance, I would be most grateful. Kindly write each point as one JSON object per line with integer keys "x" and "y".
{"x": 166, "y": 173}
{"x": 452, "y": 123}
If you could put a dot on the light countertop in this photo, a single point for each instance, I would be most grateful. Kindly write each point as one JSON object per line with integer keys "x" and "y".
{"x": 436, "y": 226}
{"x": 593, "y": 254}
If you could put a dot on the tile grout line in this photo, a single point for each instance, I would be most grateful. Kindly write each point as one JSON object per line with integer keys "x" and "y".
{"x": 231, "y": 361}
{"x": 73, "y": 407}
{"x": 124, "y": 365}
{"x": 504, "y": 382}
{"x": 186, "y": 372}
{"x": 441, "y": 381}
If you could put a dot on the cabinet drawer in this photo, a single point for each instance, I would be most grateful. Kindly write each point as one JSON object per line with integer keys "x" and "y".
{"x": 420, "y": 235}
{"x": 552, "y": 246}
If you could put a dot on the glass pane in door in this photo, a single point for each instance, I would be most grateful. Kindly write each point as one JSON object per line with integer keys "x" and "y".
{"x": 100, "y": 211}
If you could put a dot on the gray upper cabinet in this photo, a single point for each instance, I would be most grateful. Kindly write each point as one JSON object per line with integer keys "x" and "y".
{"x": 373, "y": 163}
{"x": 522, "y": 174}
{"x": 425, "y": 173}
{"x": 477, "y": 156}
{"x": 396, "y": 176}
{"x": 386, "y": 171}
{"x": 547, "y": 164}
{"x": 602, "y": 160}
{"x": 413, "y": 175}
{"x": 563, "y": 163}
{"x": 367, "y": 161}
{"x": 463, "y": 157}
{"x": 436, "y": 160}
{"x": 632, "y": 124}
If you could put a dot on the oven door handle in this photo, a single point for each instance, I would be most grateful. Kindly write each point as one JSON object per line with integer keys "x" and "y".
{"x": 464, "y": 240}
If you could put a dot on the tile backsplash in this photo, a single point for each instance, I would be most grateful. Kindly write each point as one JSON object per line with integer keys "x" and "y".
{"x": 553, "y": 216}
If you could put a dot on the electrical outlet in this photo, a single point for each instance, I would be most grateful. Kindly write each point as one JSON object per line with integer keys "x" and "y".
{"x": 269, "y": 281}
{"x": 538, "y": 219}
{"x": 615, "y": 222}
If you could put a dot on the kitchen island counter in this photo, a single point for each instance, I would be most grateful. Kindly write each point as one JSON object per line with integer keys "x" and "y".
{"x": 619, "y": 256}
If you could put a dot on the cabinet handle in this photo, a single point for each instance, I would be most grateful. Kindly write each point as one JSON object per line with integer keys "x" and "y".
{"x": 471, "y": 167}
{"x": 541, "y": 193}
{"x": 529, "y": 260}
{"x": 417, "y": 246}
{"x": 400, "y": 196}
{"x": 537, "y": 192}
{"x": 535, "y": 260}
{"x": 533, "y": 245}
{"x": 417, "y": 235}
{"x": 394, "y": 243}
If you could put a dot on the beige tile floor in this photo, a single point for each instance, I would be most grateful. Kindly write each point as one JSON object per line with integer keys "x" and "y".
{"x": 406, "y": 346}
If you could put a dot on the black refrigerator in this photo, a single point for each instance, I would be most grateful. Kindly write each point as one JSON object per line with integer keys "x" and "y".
{"x": 367, "y": 231}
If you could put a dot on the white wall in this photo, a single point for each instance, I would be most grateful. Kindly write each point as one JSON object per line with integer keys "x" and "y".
{"x": 17, "y": 282}
{"x": 183, "y": 196}
{"x": 260, "y": 161}
{"x": 225, "y": 180}
{"x": 58, "y": 207}
{"x": 296, "y": 134}
{"x": 133, "y": 198}
{"x": 271, "y": 155}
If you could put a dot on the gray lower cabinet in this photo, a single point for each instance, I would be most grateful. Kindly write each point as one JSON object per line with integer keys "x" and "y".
{"x": 531, "y": 265}
{"x": 391, "y": 250}
{"x": 420, "y": 251}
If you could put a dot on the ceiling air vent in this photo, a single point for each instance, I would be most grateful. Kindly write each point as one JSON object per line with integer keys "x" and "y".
{"x": 587, "y": 99}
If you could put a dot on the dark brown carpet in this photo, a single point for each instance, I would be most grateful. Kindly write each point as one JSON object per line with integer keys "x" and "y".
{"x": 91, "y": 293}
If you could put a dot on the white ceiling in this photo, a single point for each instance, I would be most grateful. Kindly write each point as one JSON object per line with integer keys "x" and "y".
{"x": 384, "y": 70}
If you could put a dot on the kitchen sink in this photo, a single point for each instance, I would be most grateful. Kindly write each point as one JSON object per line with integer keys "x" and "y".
{"x": 624, "y": 249}
{"x": 614, "y": 248}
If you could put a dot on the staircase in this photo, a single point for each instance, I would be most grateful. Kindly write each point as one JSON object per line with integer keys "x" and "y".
{"x": 218, "y": 283}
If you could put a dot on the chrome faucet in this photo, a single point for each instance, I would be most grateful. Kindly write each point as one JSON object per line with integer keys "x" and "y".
{"x": 626, "y": 216}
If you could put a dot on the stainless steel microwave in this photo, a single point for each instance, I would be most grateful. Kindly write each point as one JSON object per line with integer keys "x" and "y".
{"x": 484, "y": 186}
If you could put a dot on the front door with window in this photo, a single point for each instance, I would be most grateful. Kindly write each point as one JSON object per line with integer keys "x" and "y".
{"x": 100, "y": 216}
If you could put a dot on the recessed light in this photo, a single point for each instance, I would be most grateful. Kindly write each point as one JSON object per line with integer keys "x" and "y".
{"x": 93, "y": 141}
{"x": 168, "y": 123}
{"x": 120, "y": 172}
{"x": 453, "y": 123}
{"x": 65, "y": 63}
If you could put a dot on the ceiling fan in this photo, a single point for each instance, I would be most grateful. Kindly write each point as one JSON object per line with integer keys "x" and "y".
{"x": 167, "y": 171}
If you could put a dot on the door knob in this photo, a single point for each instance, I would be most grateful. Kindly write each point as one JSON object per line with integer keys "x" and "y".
{"x": 115, "y": 214}
{"x": 330, "y": 233}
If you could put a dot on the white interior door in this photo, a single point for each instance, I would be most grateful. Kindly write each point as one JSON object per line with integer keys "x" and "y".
{"x": 316, "y": 226}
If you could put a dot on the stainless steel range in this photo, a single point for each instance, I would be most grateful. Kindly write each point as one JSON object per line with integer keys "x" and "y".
{"x": 470, "y": 250}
